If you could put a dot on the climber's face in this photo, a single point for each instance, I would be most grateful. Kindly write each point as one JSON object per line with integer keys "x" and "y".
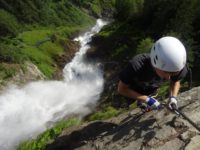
{"x": 164, "y": 74}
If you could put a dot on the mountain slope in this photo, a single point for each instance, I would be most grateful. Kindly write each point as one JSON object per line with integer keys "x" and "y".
{"x": 155, "y": 130}
{"x": 41, "y": 31}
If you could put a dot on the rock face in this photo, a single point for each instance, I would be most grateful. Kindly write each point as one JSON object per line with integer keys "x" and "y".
{"x": 29, "y": 73}
{"x": 155, "y": 130}
{"x": 32, "y": 73}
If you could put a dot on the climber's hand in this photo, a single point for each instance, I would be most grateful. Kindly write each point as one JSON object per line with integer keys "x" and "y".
{"x": 153, "y": 103}
{"x": 172, "y": 103}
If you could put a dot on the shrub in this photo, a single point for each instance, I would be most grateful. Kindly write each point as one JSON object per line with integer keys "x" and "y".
{"x": 144, "y": 46}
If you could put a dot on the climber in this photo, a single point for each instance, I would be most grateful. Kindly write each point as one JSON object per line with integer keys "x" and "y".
{"x": 145, "y": 73}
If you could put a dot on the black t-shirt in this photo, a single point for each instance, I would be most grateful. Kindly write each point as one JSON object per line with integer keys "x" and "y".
{"x": 141, "y": 76}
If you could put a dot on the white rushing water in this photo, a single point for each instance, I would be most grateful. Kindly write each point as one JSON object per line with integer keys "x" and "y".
{"x": 27, "y": 111}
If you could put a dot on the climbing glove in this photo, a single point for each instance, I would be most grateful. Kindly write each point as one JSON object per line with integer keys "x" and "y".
{"x": 153, "y": 103}
{"x": 172, "y": 101}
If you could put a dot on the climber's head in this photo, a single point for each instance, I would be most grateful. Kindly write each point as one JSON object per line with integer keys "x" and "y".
{"x": 168, "y": 55}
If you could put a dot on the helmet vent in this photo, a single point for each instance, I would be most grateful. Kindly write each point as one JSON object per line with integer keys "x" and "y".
{"x": 154, "y": 61}
{"x": 156, "y": 57}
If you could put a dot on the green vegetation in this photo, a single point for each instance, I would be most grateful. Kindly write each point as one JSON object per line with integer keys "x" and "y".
{"x": 163, "y": 92}
{"x": 128, "y": 9}
{"x": 96, "y": 7}
{"x": 8, "y": 24}
{"x": 37, "y": 30}
{"x": 144, "y": 46}
{"x": 45, "y": 13}
{"x": 32, "y": 37}
{"x": 7, "y": 72}
{"x": 48, "y": 136}
{"x": 109, "y": 112}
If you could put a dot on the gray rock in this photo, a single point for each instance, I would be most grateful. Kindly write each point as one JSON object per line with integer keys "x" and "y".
{"x": 194, "y": 144}
{"x": 155, "y": 130}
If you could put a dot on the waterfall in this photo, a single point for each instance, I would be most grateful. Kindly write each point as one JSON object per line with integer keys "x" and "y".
{"x": 27, "y": 111}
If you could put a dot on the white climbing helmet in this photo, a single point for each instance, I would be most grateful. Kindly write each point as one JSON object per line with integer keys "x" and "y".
{"x": 168, "y": 54}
